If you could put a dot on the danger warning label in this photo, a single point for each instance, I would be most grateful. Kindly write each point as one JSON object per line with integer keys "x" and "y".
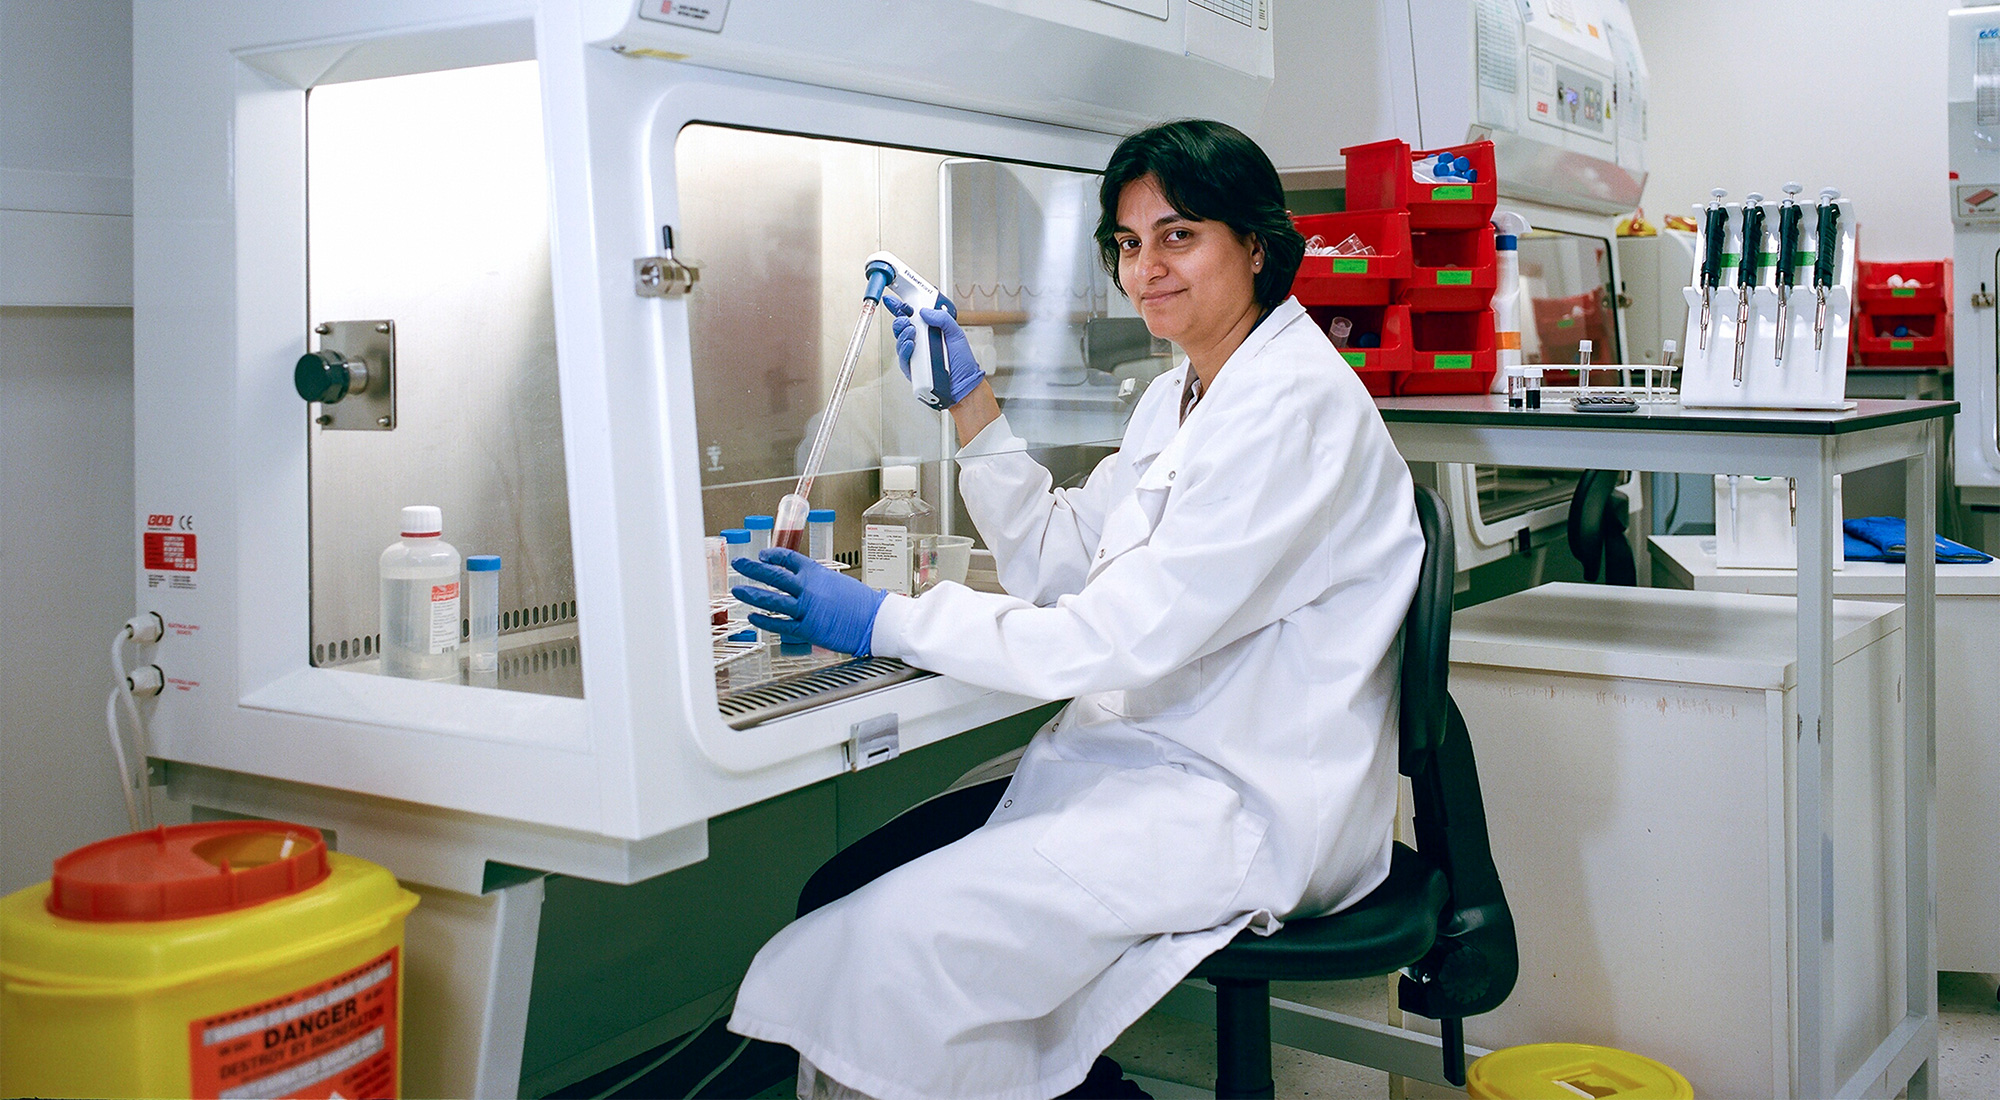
{"x": 334, "y": 1038}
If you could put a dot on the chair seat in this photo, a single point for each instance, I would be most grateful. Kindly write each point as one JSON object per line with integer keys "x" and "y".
{"x": 1387, "y": 930}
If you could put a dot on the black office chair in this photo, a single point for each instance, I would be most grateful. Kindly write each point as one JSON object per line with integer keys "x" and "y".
{"x": 1440, "y": 916}
{"x": 1597, "y": 530}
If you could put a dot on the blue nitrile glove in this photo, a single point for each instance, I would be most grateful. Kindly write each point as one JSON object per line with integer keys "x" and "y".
{"x": 965, "y": 370}
{"x": 822, "y": 606}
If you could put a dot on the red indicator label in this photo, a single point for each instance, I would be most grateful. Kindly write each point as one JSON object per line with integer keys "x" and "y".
{"x": 170, "y": 552}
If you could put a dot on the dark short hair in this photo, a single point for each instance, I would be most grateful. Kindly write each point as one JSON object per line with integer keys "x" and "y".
{"x": 1208, "y": 171}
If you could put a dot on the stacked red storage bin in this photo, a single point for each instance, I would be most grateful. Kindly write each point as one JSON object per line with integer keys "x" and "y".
{"x": 1361, "y": 289}
{"x": 1453, "y": 266}
{"x": 1902, "y": 314}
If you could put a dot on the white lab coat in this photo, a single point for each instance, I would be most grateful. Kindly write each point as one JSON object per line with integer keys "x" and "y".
{"x": 1222, "y": 600}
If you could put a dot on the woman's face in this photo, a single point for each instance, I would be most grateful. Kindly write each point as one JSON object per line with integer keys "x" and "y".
{"x": 1192, "y": 281}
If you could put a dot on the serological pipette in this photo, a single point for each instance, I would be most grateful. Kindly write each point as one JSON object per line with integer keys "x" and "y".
{"x": 791, "y": 519}
{"x": 1746, "y": 273}
{"x": 1715, "y": 227}
{"x": 1826, "y": 248}
{"x": 1789, "y": 217}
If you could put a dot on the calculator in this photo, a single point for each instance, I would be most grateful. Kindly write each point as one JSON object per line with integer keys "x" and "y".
{"x": 1603, "y": 403}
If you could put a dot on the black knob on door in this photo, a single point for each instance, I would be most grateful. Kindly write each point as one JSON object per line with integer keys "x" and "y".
{"x": 327, "y": 376}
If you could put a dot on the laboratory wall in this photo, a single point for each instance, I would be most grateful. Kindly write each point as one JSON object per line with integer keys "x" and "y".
{"x": 1846, "y": 93}
{"x": 1343, "y": 77}
{"x": 66, "y": 542}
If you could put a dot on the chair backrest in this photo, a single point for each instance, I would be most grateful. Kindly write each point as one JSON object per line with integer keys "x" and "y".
{"x": 1472, "y": 966}
{"x": 1596, "y": 533}
{"x": 1427, "y": 636}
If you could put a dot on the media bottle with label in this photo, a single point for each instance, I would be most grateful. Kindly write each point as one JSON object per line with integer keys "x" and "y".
{"x": 898, "y": 544}
{"x": 420, "y": 600}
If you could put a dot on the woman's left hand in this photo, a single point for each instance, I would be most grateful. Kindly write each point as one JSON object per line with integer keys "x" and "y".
{"x": 820, "y": 605}
{"x": 966, "y": 374}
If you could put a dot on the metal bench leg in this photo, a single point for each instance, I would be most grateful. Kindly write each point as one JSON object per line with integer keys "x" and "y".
{"x": 1242, "y": 1039}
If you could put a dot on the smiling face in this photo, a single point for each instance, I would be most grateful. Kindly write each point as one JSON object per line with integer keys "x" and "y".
{"x": 1193, "y": 281}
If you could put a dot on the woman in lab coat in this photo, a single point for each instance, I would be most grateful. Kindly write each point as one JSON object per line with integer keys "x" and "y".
{"x": 1221, "y": 600}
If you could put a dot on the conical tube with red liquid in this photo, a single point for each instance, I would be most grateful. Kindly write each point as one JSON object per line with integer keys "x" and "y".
{"x": 791, "y": 526}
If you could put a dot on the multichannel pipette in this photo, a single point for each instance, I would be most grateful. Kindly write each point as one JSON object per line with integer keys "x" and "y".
{"x": 1789, "y": 216}
{"x": 1826, "y": 247}
{"x": 1746, "y": 274}
{"x": 1715, "y": 227}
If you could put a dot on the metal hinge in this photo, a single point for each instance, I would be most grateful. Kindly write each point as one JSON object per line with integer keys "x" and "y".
{"x": 664, "y": 276}
{"x": 872, "y": 741}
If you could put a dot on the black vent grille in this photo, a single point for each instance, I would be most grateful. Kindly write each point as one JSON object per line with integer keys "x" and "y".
{"x": 792, "y": 694}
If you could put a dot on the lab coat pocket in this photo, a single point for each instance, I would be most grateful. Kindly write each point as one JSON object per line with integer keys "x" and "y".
{"x": 1163, "y": 850}
{"x": 1130, "y": 525}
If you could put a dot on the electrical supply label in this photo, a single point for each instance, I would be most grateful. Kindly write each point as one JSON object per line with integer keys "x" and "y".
{"x": 168, "y": 547}
{"x": 334, "y": 1038}
{"x": 444, "y": 617}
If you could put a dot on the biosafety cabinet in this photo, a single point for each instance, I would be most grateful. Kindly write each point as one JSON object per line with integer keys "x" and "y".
{"x": 579, "y": 273}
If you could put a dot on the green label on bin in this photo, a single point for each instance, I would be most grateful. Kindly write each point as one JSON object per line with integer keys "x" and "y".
{"x": 1902, "y": 292}
{"x": 1350, "y": 265}
{"x": 1454, "y": 278}
{"x": 1451, "y": 192}
{"x": 1355, "y": 359}
{"x": 1452, "y": 362}
{"x": 1902, "y": 345}
{"x": 1566, "y": 322}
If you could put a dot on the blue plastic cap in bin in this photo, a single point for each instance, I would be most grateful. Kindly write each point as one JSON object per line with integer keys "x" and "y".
{"x": 760, "y": 523}
{"x": 483, "y": 563}
{"x": 821, "y": 515}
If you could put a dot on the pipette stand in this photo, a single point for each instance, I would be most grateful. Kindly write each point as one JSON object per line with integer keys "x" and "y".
{"x": 1807, "y": 377}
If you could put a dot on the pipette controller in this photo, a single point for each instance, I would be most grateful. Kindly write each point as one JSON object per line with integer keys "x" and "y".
{"x": 930, "y": 366}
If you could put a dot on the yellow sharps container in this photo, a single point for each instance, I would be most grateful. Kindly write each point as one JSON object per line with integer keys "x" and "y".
{"x": 235, "y": 958}
{"x": 1566, "y": 1071}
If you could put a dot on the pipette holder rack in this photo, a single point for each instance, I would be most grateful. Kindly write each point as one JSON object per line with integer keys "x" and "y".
{"x": 1807, "y": 377}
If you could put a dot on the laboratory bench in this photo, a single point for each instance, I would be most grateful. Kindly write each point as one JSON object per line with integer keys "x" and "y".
{"x": 1811, "y": 447}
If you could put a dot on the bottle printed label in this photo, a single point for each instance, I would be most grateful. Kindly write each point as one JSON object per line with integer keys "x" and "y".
{"x": 885, "y": 557}
{"x": 444, "y": 617}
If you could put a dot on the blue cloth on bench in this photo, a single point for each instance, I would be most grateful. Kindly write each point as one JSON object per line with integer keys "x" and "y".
{"x": 1883, "y": 538}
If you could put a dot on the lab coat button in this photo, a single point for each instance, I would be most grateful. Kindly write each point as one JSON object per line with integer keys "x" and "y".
{"x": 1100, "y": 553}
{"x": 1170, "y": 475}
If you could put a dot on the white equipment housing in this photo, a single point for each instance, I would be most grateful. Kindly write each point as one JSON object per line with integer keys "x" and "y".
{"x": 1559, "y": 87}
{"x": 1974, "y": 115}
{"x": 617, "y": 785}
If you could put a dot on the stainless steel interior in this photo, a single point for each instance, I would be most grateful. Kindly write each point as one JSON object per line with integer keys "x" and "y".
{"x": 427, "y": 204}
{"x": 781, "y": 224}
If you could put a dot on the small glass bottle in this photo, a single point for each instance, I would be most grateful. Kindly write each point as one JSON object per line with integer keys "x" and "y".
{"x": 819, "y": 533}
{"x": 482, "y": 613}
{"x": 420, "y": 600}
{"x": 897, "y": 541}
